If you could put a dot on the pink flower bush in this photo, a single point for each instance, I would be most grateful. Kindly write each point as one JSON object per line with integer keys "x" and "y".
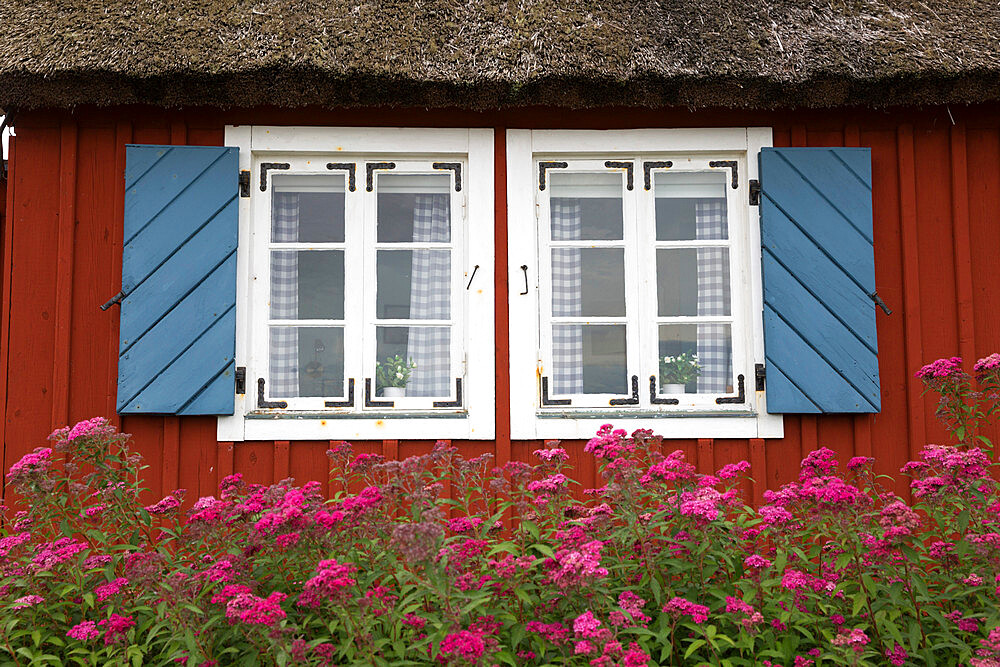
{"x": 441, "y": 560}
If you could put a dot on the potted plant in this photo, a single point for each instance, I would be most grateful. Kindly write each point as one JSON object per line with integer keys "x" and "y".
{"x": 676, "y": 371}
{"x": 392, "y": 375}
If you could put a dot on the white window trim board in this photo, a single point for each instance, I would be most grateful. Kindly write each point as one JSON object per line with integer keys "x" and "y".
{"x": 258, "y": 144}
{"x": 528, "y": 421}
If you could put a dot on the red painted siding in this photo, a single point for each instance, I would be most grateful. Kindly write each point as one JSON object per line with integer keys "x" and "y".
{"x": 936, "y": 191}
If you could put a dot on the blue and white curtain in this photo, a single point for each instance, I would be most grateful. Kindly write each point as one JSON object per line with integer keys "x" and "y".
{"x": 430, "y": 298}
{"x": 714, "y": 345}
{"x": 714, "y": 348}
{"x": 567, "y": 296}
{"x": 284, "y": 341}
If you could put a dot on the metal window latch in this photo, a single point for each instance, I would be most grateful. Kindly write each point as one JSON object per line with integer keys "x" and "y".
{"x": 879, "y": 302}
{"x": 241, "y": 379}
{"x": 759, "y": 375}
{"x": 754, "y": 192}
{"x": 117, "y": 298}
{"x": 244, "y": 183}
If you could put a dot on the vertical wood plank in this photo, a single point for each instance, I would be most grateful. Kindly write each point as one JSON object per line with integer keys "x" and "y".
{"x": 225, "y": 459}
{"x": 706, "y": 456}
{"x": 178, "y": 132}
{"x": 911, "y": 285}
{"x": 810, "y": 434}
{"x": 282, "y": 463}
{"x": 501, "y": 313}
{"x": 123, "y": 135}
{"x": 862, "y": 423}
{"x": 64, "y": 271}
{"x": 171, "y": 454}
{"x": 799, "y": 136}
{"x": 758, "y": 470}
{"x": 8, "y": 249}
{"x": 962, "y": 236}
{"x": 390, "y": 449}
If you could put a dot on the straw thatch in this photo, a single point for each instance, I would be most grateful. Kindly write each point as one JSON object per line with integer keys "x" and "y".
{"x": 492, "y": 53}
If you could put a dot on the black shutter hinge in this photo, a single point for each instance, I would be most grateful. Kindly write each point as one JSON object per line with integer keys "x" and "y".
{"x": 117, "y": 298}
{"x": 241, "y": 379}
{"x": 879, "y": 302}
{"x": 754, "y": 192}
{"x": 244, "y": 183}
{"x": 759, "y": 375}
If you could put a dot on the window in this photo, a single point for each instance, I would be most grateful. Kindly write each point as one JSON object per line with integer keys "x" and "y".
{"x": 365, "y": 255}
{"x": 641, "y": 293}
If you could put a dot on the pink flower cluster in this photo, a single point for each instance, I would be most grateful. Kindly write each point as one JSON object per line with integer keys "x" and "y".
{"x": 574, "y": 567}
{"x": 679, "y": 606}
{"x": 330, "y": 583}
{"x": 30, "y": 465}
{"x": 947, "y": 367}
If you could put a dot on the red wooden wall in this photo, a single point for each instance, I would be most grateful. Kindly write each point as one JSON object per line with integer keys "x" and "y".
{"x": 937, "y": 231}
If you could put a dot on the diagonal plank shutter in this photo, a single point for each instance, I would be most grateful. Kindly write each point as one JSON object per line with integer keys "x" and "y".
{"x": 818, "y": 269}
{"x": 178, "y": 318}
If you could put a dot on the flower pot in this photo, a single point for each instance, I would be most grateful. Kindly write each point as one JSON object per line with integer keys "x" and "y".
{"x": 393, "y": 392}
{"x": 673, "y": 388}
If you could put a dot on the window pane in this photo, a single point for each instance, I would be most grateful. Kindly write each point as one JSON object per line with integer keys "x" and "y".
{"x": 691, "y": 206}
{"x": 413, "y": 208}
{"x": 307, "y": 284}
{"x": 589, "y": 359}
{"x": 427, "y": 350}
{"x": 699, "y": 356}
{"x": 588, "y": 282}
{"x": 306, "y": 361}
{"x": 692, "y": 281}
{"x": 413, "y": 284}
{"x": 307, "y": 209}
{"x": 585, "y": 207}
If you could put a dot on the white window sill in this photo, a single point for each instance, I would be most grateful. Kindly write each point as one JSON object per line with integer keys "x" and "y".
{"x": 568, "y": 425}
{"x": 312, "y": 426}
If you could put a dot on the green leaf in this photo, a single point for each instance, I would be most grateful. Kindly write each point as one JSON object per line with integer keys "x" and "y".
{"x": 695, "y": 645}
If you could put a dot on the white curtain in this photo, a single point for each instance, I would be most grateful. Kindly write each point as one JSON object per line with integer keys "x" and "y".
{"x": 567, "y": 296}
{"x": 430, "y": 298}
{"x": 714, "y": 348}
{"x": 284, "y": 343}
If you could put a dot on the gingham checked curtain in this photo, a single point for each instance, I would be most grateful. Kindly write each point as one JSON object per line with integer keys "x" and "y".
{"x": 714, "y": 351}
{"x": 430, "y": 298}
{"x": 567, "y": 296}
{"x": 284, "y": 353}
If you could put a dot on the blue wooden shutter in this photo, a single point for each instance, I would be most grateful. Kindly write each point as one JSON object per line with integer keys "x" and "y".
{"x": 820, "y": 345}
{"x": 178, "y": 316}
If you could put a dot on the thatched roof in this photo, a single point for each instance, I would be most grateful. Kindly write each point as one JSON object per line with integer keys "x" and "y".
{"x": 496, "y": 53}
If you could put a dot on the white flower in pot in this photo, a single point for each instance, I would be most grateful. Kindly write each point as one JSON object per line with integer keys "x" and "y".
{"x": 392, "y": 376}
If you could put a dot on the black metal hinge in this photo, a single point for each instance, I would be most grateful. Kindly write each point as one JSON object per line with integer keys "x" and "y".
{"x": 241, "y": 379}
{"x": 759, "y": 375}
{"x": 880, "y": 303}
{"x": 633, "y": 399}
{"x": 244, "y": 183}
{"x": 754, "y": 192}
{"x": 741, "y": 395}
{"x": 263, "y": 402}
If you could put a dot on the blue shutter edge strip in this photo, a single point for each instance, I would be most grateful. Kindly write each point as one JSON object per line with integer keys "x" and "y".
{"x": 178, "y": 316}
{"x": 817, "y": 261}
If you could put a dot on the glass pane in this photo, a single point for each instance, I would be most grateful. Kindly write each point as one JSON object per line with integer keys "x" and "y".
{"x": 691, "y": 206}
{"x": 307, "y": 209}
{"x": 413, "y": 285}
{"x": 588, "y": 359}
{"x": 696, "y": 358}
{"x": 306, "y": 361}
{"x": 585, "y": 207}
{"x": 692, "y": 281}
{"x": 415, "y": 359}
{"x": 588, "y": 282}
{"x": 307, "y": 284}
{"x": 413, "y": 208}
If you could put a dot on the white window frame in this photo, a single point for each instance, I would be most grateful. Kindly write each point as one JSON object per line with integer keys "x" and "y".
{"x": 697, "y": 415}
{"x": 308, "y": 149}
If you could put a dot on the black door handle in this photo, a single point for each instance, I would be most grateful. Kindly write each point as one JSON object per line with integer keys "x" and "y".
{"x": 524, "y": 267}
